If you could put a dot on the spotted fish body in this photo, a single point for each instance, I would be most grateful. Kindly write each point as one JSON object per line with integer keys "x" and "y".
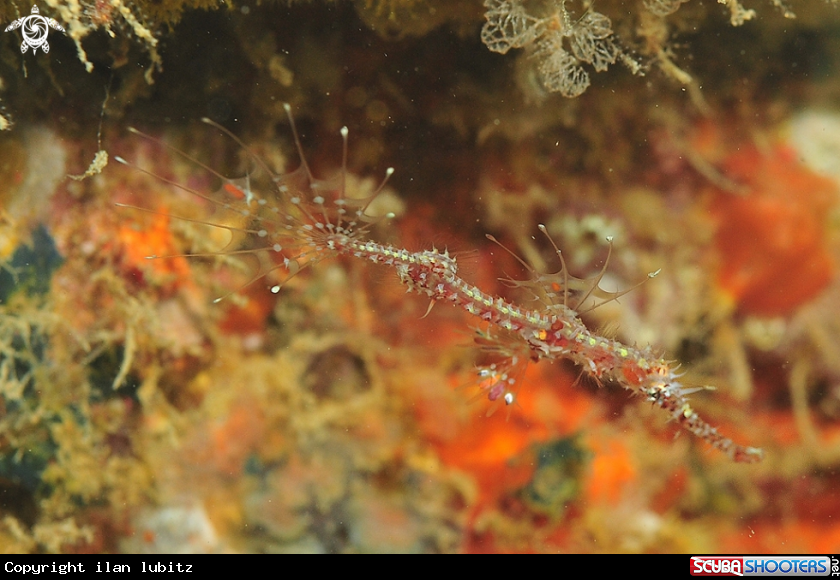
{"x": 302, "y": 220}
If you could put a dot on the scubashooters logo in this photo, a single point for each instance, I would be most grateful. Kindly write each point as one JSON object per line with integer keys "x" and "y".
{"x": 35, "y": 29}
{"x": 760, "y": 566}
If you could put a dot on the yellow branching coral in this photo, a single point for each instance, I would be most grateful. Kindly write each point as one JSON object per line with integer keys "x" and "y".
{"x": 81, "y": 18}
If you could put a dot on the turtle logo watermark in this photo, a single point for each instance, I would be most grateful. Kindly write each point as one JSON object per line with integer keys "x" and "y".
{"x": 35, "y": 29}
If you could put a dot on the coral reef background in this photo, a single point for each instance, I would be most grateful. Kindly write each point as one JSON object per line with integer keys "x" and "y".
{"x": 137, "y": 415}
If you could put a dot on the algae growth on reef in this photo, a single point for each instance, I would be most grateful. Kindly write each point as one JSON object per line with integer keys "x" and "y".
{"x": 136, "y": 415}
